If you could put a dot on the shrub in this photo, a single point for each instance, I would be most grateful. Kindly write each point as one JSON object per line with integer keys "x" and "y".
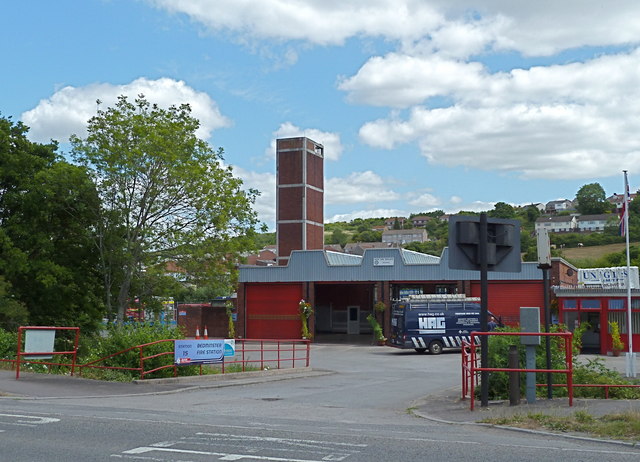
{"x": 498, "y": 356}
{"x": 8, "y": 343}
{"x": 119, "y": 338}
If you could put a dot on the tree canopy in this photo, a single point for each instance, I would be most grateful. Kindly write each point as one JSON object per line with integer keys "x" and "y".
{"x": 46, "y": 217}
{"x": 592, "y": 200}
{"x": 166, "y": 198}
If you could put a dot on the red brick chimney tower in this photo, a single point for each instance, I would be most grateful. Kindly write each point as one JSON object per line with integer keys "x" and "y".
{"x": 299, "y": 196}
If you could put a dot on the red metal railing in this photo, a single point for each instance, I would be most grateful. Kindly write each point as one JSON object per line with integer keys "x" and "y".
{"x": 21, "y": 354}
{"x": 267, "y": 352}
{"x": 471, "y": 371}
{"x": 249, "y": 354}
{"x": 142, "y": 359}
{"x": 605, "y": 386}
{"x": 253, "y": 353}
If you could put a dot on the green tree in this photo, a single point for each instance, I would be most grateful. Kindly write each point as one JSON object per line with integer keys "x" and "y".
{"x": 367, "y": 236}
{"x": 13, "y": 313}
{"x": 502, "y": 210}
{"x": 338, "y": 236}
{"x": 592, "y": 200}
{"x": 166, "y": 197}
{"x": 47, "y": 210}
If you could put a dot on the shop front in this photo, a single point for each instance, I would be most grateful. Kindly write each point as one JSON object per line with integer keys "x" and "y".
{"x": 595, "y": 308}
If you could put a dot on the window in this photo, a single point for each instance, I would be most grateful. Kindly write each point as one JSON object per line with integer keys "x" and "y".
{"x": 621, "y": 319}
{"x": 590, "y": 304}
{"x": 616, "y": 304}
{"x": 569, "y": 304}
{"x": 635, "y": 303}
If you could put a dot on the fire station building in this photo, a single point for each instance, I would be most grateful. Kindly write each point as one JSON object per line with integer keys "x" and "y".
{"x": 343, "y": 288}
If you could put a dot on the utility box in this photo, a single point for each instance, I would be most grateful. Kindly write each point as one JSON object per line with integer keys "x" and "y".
{"x": 530, "y": 322}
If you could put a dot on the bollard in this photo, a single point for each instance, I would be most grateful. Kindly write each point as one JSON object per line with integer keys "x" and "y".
{"x": 514, "y": 377}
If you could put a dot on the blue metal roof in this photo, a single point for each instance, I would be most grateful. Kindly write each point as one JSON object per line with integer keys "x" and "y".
{"x": 390, "y": 264}
{"x": 342, "y": 259}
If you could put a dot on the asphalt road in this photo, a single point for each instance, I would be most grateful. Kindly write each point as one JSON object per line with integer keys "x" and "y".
{"x": 360, "y": 411}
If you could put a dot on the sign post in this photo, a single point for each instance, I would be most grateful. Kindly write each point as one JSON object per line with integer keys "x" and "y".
{"x": 544, "y": 263}
{"x": 484, "y": 244}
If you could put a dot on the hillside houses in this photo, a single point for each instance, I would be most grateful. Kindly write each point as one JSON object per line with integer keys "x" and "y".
{"x": 576, "y": 223}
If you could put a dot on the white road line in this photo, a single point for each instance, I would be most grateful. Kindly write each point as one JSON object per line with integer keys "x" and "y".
{"x": 34, "y": 420}
{"x": 221, "y": 455}
{"x": 272, "y": 439}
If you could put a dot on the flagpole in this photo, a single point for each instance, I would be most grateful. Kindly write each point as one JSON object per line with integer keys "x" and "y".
{"x": 630, "y": 359}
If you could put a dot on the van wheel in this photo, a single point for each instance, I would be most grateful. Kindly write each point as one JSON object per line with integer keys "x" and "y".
{"x": 435, "y": 347}
{"x": 420, "y": 350}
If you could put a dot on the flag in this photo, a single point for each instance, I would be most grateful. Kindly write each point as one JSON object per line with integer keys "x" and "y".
{"x": 624, "y": 210}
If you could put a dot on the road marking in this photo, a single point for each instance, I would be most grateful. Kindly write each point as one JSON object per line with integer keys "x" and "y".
{"x": 27, "y": 420}
{"x": 221, "y": 455}
{"x": 272, "y": 439}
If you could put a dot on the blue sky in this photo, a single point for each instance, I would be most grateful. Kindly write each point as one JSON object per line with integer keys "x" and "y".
{"x": 421, "y": 104}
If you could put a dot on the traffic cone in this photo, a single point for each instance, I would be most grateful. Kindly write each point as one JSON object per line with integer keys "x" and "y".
{"x": 197, "y": 332}
{"x": 206, "y": 334}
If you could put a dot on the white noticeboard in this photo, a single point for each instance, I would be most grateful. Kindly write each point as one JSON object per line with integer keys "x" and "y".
{"x": 39, "y": 341}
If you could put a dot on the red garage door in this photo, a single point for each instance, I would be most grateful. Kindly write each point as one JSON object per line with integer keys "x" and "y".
{"x": 272, "y": 311}
{"x": 505, "y": 299}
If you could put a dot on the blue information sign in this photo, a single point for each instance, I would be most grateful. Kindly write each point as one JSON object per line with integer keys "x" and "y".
{"x": 187, "y": 352}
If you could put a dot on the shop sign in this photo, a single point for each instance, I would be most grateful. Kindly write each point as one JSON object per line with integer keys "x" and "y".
{"x": 609, "y": 278}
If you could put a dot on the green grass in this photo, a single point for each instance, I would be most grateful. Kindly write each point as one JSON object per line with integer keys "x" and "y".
{"x": 622, "y": 426}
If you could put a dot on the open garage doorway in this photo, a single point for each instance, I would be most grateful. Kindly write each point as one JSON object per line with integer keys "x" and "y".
{"x": 341, "y": 312}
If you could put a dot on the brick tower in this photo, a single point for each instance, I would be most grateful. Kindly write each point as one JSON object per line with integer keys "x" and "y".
{"x": 299, "y": 196}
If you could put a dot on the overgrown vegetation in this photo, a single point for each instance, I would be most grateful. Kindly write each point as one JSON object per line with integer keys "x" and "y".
{"x": 584, "y": 372}
{"x": 621, "y": 426}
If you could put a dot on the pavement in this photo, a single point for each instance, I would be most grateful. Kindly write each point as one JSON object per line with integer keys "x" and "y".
{"x": 445, "y": 407}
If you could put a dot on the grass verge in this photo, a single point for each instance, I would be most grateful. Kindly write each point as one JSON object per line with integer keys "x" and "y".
{"x": 623, "y": 426}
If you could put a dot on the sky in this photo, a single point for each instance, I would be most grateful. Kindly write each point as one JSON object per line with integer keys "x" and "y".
{"x": 420, "y": 104}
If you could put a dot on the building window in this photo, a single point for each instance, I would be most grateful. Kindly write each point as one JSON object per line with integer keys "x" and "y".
{"x": 616, "y": 304}
{"x": 569, "y": 304}
{"x": 590, "y": 304}
{"x": 621, "y": 319}
{"x": 635, "y": 303}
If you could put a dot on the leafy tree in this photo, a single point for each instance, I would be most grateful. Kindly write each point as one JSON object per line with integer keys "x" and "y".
{"x": 592, "y": 200}
{"x": 166, "y": 197}
{"x": 396, "y": 224}
{"x": 338, "y": 237}
{"x": 502, "y": 210}
{"x": 47, "y": 210}
{"x": 264, "y": 239}
{"x": 367, "y": 236}
{"x": 437, "y": 229}
{"x": 13, "y": 313}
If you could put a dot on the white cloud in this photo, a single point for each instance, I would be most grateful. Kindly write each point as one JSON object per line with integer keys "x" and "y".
{"x": 401, "y": 80}
{"x": 358, "y": 187}
{"x": 454, "y": 27}
{"x": 425, "y": 201}
{"x": 265, "y": 204}
{"x": 67, "y": 111}
{"x": 455, "y": 199}
{"x": 475, "y": 206}
{"x": 331, "y": 141}
{"x": 559, "y": 122}
{"x": 377, "y": 213}
{"x": 323, "y": 22}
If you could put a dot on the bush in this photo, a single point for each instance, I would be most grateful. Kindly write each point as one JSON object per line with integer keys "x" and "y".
{"x": 8, "y": 343}
{"x": 119, "y": 338}
{"x": 592, "y": 372}
{"x": 499, "y": 357}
